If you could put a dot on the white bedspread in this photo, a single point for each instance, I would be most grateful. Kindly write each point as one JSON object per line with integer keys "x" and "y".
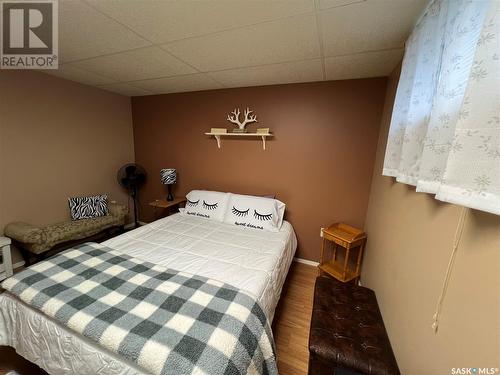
{"x": 252, "y": 260}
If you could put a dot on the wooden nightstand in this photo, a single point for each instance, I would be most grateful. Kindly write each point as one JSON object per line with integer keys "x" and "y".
{"x": 168, "y": 206}
{"x": 343, "y": 265}
{"x": 6, "y": 264}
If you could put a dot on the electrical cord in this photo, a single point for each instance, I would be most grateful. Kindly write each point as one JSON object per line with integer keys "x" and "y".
{"x": 456, "y": 242}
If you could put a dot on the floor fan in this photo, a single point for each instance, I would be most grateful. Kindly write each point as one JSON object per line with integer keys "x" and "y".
{"x": 131, "y": 176}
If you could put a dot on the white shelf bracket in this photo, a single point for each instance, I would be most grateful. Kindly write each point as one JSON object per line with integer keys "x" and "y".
{"x": 219, "y": 135}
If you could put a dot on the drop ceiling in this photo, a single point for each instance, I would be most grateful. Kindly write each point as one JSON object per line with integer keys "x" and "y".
{"x": 145, "y": 47}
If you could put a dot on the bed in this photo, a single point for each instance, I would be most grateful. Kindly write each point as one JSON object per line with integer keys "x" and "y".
{"x": 254, "y": 261}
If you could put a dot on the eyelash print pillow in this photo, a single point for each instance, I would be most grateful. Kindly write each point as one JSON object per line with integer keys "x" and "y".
{"x": 207, "y": 204}
{"x": 255, "y": 212}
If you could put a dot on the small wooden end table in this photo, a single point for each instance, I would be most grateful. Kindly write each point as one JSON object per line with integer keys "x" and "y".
{"x": 6, "y": 264}
{"x": 343, "y": 265}
{"x": 167, "y": 206}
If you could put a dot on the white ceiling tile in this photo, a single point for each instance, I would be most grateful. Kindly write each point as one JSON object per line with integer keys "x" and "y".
{"x": 84, "y": 32}
{"x": 235, "y": 42}
{"x": 125, "y": 89}
{"x": 363, "y": 65}
{"x": 144, "y": 63}
{"x": 191, "y": 82}
{"x": 165, "y": 21}
{"x": 299, "y": 71}
{"x": 368, "y": 26}
{"x": 73, "y": 73}
{"x": 290, "y": 39}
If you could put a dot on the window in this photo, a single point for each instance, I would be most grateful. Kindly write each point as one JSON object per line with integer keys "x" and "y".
{"x": 445, "y": 128}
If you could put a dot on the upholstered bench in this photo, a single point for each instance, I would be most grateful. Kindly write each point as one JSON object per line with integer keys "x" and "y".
{"x": 347, "y": 332}
{"x": 38, "y": 241}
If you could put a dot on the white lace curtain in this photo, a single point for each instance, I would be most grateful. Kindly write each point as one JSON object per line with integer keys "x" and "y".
{"x": 445, "y": 128}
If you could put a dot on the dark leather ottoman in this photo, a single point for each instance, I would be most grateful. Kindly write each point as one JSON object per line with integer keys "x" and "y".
{"x": 347, "y": 332}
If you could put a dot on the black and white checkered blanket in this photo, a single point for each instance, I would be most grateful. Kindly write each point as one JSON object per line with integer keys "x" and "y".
{"x": 166, "y": 321}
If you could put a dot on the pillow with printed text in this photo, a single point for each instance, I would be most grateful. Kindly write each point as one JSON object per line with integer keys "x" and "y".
{"x": 254, "y": 212}
{"x": 207, "y": 204}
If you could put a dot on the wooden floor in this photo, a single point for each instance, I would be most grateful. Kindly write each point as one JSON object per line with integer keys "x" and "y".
{"x": 292, "y": 320}
{"x": 291, "y": 327}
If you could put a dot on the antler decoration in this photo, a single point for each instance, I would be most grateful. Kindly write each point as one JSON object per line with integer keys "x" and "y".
{"x": 235, "y": 119}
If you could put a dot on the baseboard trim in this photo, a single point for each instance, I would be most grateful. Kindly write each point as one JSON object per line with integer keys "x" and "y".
{"x": 14, "y": 265}
{"x": 306, "y": 261}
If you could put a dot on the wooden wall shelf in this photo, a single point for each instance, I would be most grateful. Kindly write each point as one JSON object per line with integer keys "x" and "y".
{"x": 218, "y": 136}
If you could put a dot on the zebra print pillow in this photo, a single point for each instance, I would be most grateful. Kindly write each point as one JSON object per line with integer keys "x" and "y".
{"x": 88, "y": 207}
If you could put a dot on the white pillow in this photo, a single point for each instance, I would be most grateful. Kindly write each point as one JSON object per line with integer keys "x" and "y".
{"x": 207, "y": 204}
{"x": 255, "y": 212}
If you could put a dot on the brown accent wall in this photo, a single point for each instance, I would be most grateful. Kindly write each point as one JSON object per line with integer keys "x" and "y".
{"x": 58, "y": 139}
{"x": 319, "y": 163}
{"x": 410, "y": 238}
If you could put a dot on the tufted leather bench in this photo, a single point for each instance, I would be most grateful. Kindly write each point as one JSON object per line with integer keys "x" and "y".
{"x": 347, "y": 332}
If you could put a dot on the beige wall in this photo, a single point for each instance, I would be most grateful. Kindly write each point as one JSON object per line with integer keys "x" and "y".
{"x": 58, "y": 139}
{"x": 410, "y": 237}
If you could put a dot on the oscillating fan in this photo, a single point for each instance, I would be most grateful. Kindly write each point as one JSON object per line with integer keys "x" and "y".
{"x": 131, "y": 176}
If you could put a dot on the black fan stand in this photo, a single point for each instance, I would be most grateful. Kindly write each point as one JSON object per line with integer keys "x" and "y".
{"x": 134, "y": 198}
{"x": 131, "y": 176}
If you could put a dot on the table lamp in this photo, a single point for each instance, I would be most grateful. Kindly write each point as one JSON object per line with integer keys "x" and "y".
{"x": 168, "y": 177}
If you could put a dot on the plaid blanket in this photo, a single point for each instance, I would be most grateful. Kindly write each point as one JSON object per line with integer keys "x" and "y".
{"x": 166, "y": 321}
